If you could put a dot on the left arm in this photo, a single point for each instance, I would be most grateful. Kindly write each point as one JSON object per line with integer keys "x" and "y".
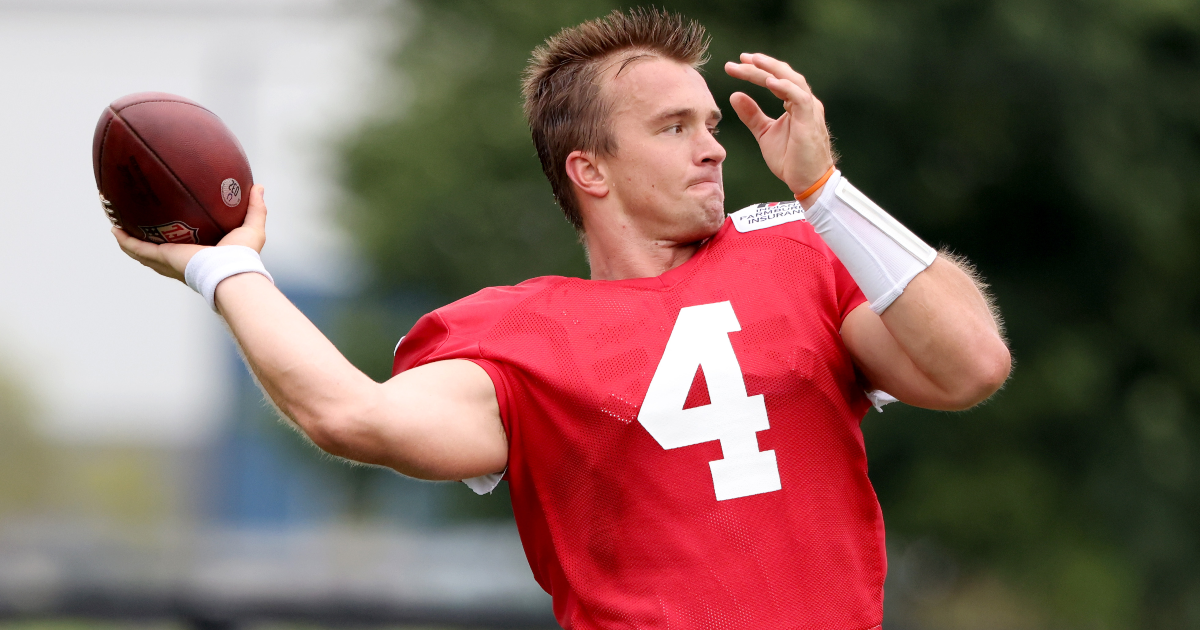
{"x": 938, "y": 344}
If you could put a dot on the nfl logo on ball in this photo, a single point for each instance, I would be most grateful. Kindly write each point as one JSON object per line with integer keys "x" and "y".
{"x": 173, "y": 232}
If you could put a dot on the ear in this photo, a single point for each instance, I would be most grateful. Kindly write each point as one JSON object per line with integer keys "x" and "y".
{"x": 587, "y": 174}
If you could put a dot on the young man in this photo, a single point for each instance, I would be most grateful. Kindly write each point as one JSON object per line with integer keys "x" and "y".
{"x": 681, "y": 431}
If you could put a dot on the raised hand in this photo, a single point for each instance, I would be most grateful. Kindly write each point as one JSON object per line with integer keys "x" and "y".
{"x": 171, "y": 259}
{"x": 796, "y": 145}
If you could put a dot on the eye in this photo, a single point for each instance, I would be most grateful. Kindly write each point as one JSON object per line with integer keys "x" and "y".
{"x": 674, "y": 130}
{"x": 714, "y": 130}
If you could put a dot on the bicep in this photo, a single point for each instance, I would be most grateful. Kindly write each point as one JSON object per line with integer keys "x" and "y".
{"x": 439, "y": 421}
{"x": 884, "y": 362}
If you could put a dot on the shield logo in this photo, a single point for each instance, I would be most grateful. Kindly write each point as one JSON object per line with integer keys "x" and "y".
{"x": 173, "y": 232}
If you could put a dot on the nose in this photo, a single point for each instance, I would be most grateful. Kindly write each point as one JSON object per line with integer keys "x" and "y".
{"x": 710, "y": 151}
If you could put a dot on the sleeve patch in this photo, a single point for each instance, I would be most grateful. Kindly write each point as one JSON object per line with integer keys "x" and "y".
{"x": 765, "y": 215}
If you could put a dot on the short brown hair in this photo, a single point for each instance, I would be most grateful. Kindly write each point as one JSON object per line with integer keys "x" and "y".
{"x": 562, "y": 90}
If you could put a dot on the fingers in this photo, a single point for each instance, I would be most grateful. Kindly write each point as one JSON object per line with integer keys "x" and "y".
{"x": 758, "y": 68}
{"x": 135, "y": 248}
{"x": 150, "y": 255}
{"x": 796, "y": 100}
{"x": 777, "y": 76}
{"x": 750, "y": 113}
{"x": 747, "y": 72}
{"x": 776, "y": 68}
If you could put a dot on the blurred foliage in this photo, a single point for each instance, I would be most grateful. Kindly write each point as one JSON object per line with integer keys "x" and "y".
{"x": 1054, "y": 143}
{"x": 23, "y": 456}
{"x": 41, "y": 477}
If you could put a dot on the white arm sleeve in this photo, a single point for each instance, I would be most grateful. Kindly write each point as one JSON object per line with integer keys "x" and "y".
{"x": 880, "y": 253}
{"x": 209, "y": 266}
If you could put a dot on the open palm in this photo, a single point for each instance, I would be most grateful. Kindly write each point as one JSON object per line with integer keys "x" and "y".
{"x": 796, "y": 145}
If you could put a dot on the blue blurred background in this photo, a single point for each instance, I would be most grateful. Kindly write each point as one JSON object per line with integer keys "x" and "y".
{"x": 143, "y": 479}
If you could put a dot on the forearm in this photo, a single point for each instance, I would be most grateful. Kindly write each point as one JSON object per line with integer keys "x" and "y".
{"x": 946, "y": 327}
{"x": 436, "y": 421}
{"x": 298, "y": 367}
{"x": 934, "y": 342}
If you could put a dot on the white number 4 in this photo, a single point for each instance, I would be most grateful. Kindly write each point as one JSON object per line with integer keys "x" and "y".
{"x": 701, "y": 339}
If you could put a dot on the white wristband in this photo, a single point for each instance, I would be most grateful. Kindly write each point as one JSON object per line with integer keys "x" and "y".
{"x": 209, "y": 266}
{"x": 881, "y": 255}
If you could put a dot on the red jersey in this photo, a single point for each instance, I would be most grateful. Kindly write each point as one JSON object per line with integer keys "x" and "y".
{"x": 685, "y": 450}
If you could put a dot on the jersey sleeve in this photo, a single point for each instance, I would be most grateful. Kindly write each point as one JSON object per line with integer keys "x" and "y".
{"x": 453, "y": 331}
{"x": 848, "y": 294}
{"x": 428, "y": 341}
{"x": 432, "y": 339}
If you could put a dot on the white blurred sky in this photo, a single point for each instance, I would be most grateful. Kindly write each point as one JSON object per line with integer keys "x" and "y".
{"x": 109, "y": 351}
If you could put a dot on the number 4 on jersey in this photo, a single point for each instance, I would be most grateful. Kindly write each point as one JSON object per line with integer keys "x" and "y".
{"x": 701, "y": 339}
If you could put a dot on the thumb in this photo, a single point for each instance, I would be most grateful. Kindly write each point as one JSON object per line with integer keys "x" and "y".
{"x": 256, "y": 212}
{"x": 750, "y": 113}
{"x": 253, "y": 231}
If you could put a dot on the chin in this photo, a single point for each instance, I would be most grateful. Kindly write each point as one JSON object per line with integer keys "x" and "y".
{"x": 693, "y": 221}
{"x": 708, "y": 222}
{"x": 714, "y": 213}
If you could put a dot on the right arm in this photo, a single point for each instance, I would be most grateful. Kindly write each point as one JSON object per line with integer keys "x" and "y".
{"x": 437, "y": 421}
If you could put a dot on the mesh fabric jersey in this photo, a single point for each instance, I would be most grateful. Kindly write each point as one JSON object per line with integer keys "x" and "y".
{"x": 624, "y": 527}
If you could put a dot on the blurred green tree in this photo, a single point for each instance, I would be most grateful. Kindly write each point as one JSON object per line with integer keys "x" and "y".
{"x": 1055, "y": 143}
{"x": 24, "y": 457}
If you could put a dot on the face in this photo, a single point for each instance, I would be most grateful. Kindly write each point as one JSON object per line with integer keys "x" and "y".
{"x": 666, "y": 171}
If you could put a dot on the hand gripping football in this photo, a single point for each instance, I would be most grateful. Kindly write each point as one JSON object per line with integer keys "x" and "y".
{"x": 169, "y": 171}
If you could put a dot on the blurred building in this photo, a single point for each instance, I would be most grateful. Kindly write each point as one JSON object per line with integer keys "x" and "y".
{"x": 111, "y": 359}
{"x": 109, "y": 352}
{"x": 141, "y": 472}
{"x": 129, "y": 387}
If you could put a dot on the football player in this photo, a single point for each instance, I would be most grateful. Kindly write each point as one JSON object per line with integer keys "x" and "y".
{"x": 680, "y": 432}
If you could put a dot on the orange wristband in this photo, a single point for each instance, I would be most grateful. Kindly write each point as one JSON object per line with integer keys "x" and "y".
{"x": 812, "y": 189}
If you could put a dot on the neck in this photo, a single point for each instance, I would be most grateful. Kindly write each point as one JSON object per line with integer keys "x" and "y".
{"x": 618, "y": 252}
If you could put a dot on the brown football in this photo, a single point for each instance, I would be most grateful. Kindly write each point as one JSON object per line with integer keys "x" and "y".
{"x": 169, "y": 171}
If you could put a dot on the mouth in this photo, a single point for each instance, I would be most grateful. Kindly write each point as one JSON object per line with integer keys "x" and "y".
{"x": 705, "y": 182}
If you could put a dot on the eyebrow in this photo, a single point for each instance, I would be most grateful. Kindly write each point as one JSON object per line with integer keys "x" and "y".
{"x": 685, "y": 112}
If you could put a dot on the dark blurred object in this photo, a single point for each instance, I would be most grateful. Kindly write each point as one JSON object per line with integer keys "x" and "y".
{"x": 1056, "y": 144}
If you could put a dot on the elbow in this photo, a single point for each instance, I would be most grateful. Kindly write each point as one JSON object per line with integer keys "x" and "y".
{"x": 331, "y": 434}
{"x": 341, "y": 433}
{"x": 983, "y": 376}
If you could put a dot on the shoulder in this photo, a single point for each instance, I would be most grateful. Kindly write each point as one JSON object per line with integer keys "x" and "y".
{"x": 454, "y": 331}
{"x": 481, "y": 310}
